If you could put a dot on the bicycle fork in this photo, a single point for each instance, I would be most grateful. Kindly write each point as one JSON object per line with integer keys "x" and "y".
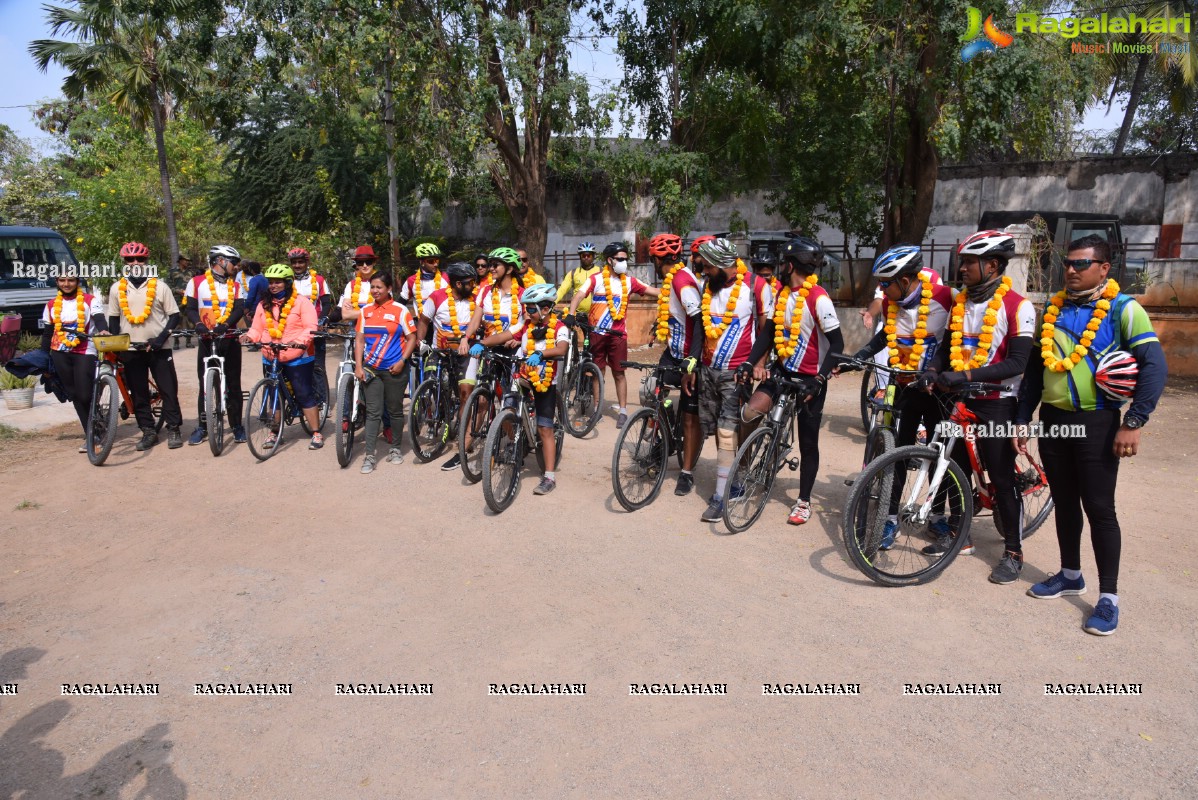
{"x": 217, "y": 363}
{"x": 923, "y": 513}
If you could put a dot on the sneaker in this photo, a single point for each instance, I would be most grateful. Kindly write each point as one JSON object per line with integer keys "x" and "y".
{"x": 889, "y": 531}
{"x": 239, "y": 434}
{"x": 198, "y": 436}
{"x": 367, "y": 465}
{"x": 620, "y": 420}
{"x": 1008, "y": 568}
{"x": 1104, "y": 620}
{"x": 943, "y": 543}
{"x": 686, "y": 482}
{"x": 83, "y": 447}
{"x": 1057, "y": 585}
{"x": 270, "y": 441}
{"x": 387, "y": 434}
{"x": 546, "y": 486}
{"x": 149, "y": 438}
{"x": 453, "y": 463}
{"x": 800, "y": 513}
{"x": 174, "y": 438}
{"x": 715, "y": 510}
{"x": 394, "y": 456}
{"x": 317, "y": 442}
{"x": 940, "y": 528}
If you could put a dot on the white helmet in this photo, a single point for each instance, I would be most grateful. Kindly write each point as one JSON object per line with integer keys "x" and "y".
{"x": 224, "y": 251}
{"x": 988, "y": 244}
{"x": 904, "y": 259}
{"x": 539, "y": 293}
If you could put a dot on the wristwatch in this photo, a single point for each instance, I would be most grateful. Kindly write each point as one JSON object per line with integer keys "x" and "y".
{"x": 1132, "y": 422}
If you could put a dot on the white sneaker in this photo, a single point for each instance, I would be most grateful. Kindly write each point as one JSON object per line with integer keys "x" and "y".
{"x": 800, "y": 513}
{"x": 394, "y": 456}
{"x": 368, "y": 465}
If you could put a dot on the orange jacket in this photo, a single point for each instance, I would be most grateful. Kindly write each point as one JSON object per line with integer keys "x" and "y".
{"x": 301, "y": 323}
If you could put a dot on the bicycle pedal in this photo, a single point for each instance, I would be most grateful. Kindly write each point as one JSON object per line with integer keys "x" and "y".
{"x": 849, "y": 481}
{"x": 793, "y": 463}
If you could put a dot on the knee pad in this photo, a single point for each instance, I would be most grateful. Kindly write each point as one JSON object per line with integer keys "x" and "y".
{"x": 725, "y": 440}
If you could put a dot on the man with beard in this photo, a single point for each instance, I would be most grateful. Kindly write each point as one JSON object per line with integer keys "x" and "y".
{"x": 449, "y": 312}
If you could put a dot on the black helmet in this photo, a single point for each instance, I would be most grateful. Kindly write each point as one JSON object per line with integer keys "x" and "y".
{"x": 613, "y": 248}
{"x": 460, "y": 271}
{"x": 804, "y": 251}
{"x": 764, "y": 259}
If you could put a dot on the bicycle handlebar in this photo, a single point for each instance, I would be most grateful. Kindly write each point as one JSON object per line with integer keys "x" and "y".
{"x": 977, "y": 388}
{"x": 850, "y": 364}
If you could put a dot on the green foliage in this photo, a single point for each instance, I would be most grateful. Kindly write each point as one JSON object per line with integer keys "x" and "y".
{"x": 10, "y": 381}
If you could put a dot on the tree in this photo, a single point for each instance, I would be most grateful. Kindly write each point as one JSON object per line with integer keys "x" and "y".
{"x": 135, "y": 55}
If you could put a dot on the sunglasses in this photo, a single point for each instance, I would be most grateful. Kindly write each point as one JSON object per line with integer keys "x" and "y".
{"x": 361, "y": 261}
{"x": 135, "y": 260}
{"x": 531, "y": 309}
{"x": 1081, "y": 264}
{"x": 884, "y": 284}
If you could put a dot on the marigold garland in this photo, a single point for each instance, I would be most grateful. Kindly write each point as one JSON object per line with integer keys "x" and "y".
{"x": 497, "y": 324}
{"x": 313, "y": 290}
{"x": 716, "y": 331}
{"x": 985, "y": 338}
{"x": 663, "y": 304}
{"x": 356, "y": 292}
{"x": 611, "y": 300}
{"x": 921, "y": 328}
{"x": 451, "y": 300}
{"x": 1049, "y": 328}
{"x": 69, "y": 339}
{"x": 540, "y": 382}
{"x": 418, "y": 284}
{"x": 222, "y": 308}
{"x": 123, "y": 297}
{"x": 786, "y": 343}
{"x": 276, "y": 333}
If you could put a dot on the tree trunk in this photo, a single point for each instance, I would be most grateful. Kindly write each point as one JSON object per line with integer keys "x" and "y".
{"x": 168, "y": 203}
{"x": 1133, "y": 101}
{"x": 392, "y": 191}
{"x": 906, "y": 217}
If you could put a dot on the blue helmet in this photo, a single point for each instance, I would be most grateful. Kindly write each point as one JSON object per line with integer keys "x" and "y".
{"x": 903, "y": 259}
{"x": 586, "y": 247}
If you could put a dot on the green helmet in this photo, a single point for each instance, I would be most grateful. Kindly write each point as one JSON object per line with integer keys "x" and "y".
{"x": 278, "y": 272}
{"x": 507, "y": 255}
{"x": 428, "y": 250}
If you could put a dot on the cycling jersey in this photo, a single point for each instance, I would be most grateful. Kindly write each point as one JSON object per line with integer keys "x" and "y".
{"x": 806, "y": 359}
{"x": 363, "y": 293}
{"x": 600, "y": 313}
{"x": 686, "y": 300}
{"x": 735, "y": 343}
{"x": 428, "y": 285}
{"x": 939, "y": 307}
{"x": 384, "y": 328}
{"x": 572, "y": 284}
{"x": 93, "y": 311}
{"x": 1017, "y": 317}
{"x": 559, "y": 334}
{"x": 303, "y": 285}
{"x": 436, "y": 310}
{"x": 511, "y": 315}
{"x": 199, "y": 293}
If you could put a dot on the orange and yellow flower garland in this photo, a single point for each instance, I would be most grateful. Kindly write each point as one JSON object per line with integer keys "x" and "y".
{"x": 356, "y": 292}
{"x": 123, "y": 297}
{"x": 541, "y": 382}
{"x": 716, "y": 331}
{"x": 451, "y": 300}
{"x": 921, "y": 328}
{"x": 276, "y": 333}
{"x": 786, "y": 342}
{"x": 611, "y": 301}
{"x": 222, "y": 308}
{"x": 313, "y": 290}
{"x": 69, "y": 339}
{"x": 1049, "y": 328}
{"x": 418, "y": 284}
{"x": 985, "y": 338}
{"x": 663, "y": 304}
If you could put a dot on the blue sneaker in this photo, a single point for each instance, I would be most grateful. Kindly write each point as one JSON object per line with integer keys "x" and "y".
{"x": 1104, "y": 620}
{"x": 889, "y": 531}
{"x": 940, "y": 528}
{"x": 1057, "y": 585}
{"x": 198, "y": 436}
{"x": 715, "y": 510}
{"x": 239, "y": 434}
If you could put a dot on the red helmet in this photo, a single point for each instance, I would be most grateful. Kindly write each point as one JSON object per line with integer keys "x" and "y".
{"x": 296, "y": 252}
{"x": 1116, "y": 375}
{"x": 695, "y": 244}
{"x": 134, "y": 250}
{"x": 665, "y": 245}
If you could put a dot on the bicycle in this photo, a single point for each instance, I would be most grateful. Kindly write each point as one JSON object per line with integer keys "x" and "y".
{"x": 882, "y": 419}
{"x": 647, "y": 440}
{"x": 494, "y": 373}
{"x": 433, "y": 413}
{"x": 351, "y": 405}
{"x": 214, "y": 392}
{"x": 272, "y": 406}
{"x": 580, "y": 387}
{"x": 932, "y": 478}
{"x": 106, "y": 411}
{"x": 762, "y": 455}
{"x": 513, "y": 435}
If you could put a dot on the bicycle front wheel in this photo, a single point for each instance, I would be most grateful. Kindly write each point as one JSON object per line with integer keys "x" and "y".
{"x": 503, "y": 460}
{"x": 638, "y": 463}
{"x": 867, "y": 390}
{"x": 472, "y": 432}
{"x": 751, "y": 480}
{"x": 343, "y": 420}
{"x": 428, "y": 426}
{"x": 214, "y": 410}
{"x": 580, "y": 405}
{"x": 881, "y": 440}
{"x": 264, "y": 419}
{"x": 898, "y": 557}
{"x": 102, "y": 420}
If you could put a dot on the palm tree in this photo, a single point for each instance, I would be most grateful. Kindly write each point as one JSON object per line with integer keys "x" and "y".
{"x": 129, "y": 53}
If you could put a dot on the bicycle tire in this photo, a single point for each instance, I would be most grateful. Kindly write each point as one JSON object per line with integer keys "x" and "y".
{"x": 580, "y": 409}
{"x": 320, "y": 384}
{"x": 427, "y": 429}
{"x": 102, "y": 419}
{"x": 266, "y": 399}
{"x": 753, "y": 473}
{"x": 156, "y": 407}
{"x": 867, "y": 387}
{"x": 648, "y": 458}
{"x": 473, "y": 427}
{"x": 905, "y": 563}
{"x": 503, "y": 461}
{"x": 881, "y": 440}
{"x": 1035, "y": 495}
{"x": 213, "y": 412}
{"x": 343, "y": 420}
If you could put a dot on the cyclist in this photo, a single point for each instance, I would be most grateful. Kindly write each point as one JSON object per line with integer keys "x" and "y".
{"x": 804, "y": 333}
{"x": 357, "y": 290}
{"x": 869, "y": 314}
{"x": 1072, "y": 388}
{"x": 143, "y": 306}
{"x": 214, "y": 305}
{"x": 286, "y": 316}
{"x": 386, "y": 338}
{"x": 763, "y": 266}
{"x": 448, "y": 312}
{"x": 312, "y": 285}
{"x": 497, "y": 307}
{"x": 916, "y": 315}
{"x": 679, "y": 318}
{"x": 73, "y": 311}
{"x": 482, "y": 269}
{"x": 990, "y": 338}
{"x": 543, "y": 337}
{"x": 575, "y": 278}
{"x": 425, "y": 281}
{"x": 733, "y": 307}
{"x": 610, "y": 291}
{"x": 528, "y": 274}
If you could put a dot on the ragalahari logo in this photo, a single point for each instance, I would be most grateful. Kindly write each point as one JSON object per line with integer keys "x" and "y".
{"x": 982, "y": 37}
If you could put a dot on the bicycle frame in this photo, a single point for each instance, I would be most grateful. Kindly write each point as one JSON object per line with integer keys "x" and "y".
{"x": 215, "y": 362}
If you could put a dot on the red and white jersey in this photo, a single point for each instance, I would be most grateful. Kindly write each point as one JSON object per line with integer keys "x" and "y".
{"x": 312, "y": 288}
{"x": 906, "y": 319}
{"x": 560, "y": 333}
{"x": 926, "y": 272}
{"x": 436, "y": 311}
{"x": 93, "y": 310}
{"x": 363, "y": 293}
{"x": 734, "y": 344}
{"x": 428, "y": 285}
{"x": 813, "y": 341}
{"x": 601, "y": 305}
{"x": 511, "y": 315}
{"x": 1017, "y": 317}
{"x": 686, "y": 300}
{"x": 199, "y": 292}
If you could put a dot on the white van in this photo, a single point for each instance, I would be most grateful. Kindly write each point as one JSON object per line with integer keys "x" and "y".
{"x": 27, "y": 259}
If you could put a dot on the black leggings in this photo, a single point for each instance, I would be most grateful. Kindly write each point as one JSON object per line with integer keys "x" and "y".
{"x": 1082, "y": 474}
{"x": 998, "y": 457}
{"x": 139, "y": 365}
{"x": 77, "y": 372}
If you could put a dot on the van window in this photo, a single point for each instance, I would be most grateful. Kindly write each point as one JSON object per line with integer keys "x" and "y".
{"x": 31, "y": 251}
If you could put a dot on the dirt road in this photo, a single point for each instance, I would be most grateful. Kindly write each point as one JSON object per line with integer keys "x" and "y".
{"x": 176, "y": 569}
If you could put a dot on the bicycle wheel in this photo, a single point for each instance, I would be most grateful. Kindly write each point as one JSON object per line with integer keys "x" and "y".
{"x": 638, "y": 463}
{"x": 156, "y": 407}
{"x": 751, "y": 480}
{"x": 214, "y": 410}
{"x": 869, "y": 504}
{"x": 867, "y": 388}
{"x": 427, "y": 426}
{"x": 343, "y": 420}
{"x": 880, "y": 441}
{"x": 473, "y": 427}
{"x": 264, "y": 419}
{"x": 102, "y": 420}
{"x": 1034, "y": 494}
{"x": 503, "y": 460}
{"x": 580, "y": 407}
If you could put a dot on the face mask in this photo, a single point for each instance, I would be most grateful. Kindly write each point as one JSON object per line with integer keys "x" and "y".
{"x": 620, "y": 266}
